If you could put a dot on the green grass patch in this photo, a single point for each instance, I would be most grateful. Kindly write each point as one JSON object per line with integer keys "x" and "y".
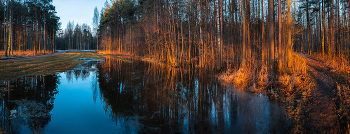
{"x": 12, "y": 69}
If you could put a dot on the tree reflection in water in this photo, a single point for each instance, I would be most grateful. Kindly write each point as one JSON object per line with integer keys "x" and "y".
{"x": 140, "y": 97}
{"x": 27, "y": 102}
{"x": 154, "y": 98}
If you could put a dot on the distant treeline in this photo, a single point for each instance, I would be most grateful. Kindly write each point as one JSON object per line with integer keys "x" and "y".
{"x": 77, "y": 37}
{"x": 213, "y": 31}
{"x": 27, "y": 25}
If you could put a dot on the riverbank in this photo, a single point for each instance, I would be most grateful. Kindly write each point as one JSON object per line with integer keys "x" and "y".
{"x": 10, "y": 69}
{"x": 28, "y": 64}
{"x": 126, "y": 57}
{"x": 314, "y": 91}
{"x": 23, "y": 54}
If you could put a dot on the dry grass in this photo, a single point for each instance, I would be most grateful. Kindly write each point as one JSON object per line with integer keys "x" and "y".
{"x": 343, "y": 93}
{"x": 294, "y": 75}
{"x": 340, "y": 68}
{"x": 263, "y": 77}
{"x": 255, "y": 77}
{"x": 242, "y": 78}
{"x": 11, "y": 69}
{"x": 19, "y": 54}
{"x": 337, "y": 64}
{"x": 290, "y": 86}
{"x": 295, "y": 83}
{"x": 126, "y": 57}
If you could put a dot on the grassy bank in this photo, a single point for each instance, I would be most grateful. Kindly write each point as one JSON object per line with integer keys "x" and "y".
{"x": 126, "y": 57}
{"x": 20, "y": 54}
{"x": 11, "y": 69}
{"x": 310, "y": 89}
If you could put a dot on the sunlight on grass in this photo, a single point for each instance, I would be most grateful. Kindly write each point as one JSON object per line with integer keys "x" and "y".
{"x": 126, "y": 57}
{"x": 19, "y": 54}
{"x": 290, "y": 86}
{"x": 43, "y": 65}
{"x": 255, "y": 77}
{"x": 340, "y": 65}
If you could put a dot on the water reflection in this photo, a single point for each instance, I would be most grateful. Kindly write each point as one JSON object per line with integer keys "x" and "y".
{"x": 145, "y": 97}
{"x": 26, "y": 103}
{"x": 138, "y": 97}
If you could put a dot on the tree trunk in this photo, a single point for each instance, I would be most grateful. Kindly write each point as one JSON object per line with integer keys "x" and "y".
{"x": 339, "y": 30}
{"x": 246, "y": 17}
{"x": 279, "y": 34}
{"x": 44, "y": 32}
{"x": 9, "y": 43}
{"x": 263, "y": 47}
{"x": 323, "y": 28}
{"x": 308, "y": 27}
{"x": 271, "y": 37}
{"x": 289, "y": 38}
{"x": 53, "y": 40}
{"x": 218, "y": 65}
{"x": 221, "y": 33}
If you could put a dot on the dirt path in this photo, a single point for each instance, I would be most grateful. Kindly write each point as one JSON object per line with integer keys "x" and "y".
{"x": 30, "y": 57}
{"x": 320, "y": 106}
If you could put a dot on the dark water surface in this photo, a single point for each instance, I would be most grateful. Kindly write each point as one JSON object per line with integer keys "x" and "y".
{"x": 139, "y": 97}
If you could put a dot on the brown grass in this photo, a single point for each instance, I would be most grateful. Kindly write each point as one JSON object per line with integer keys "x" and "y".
{"x": 294, "y": 84}
{"x": 11, "y": 69}
{"x": 337, "y": 64}
{"x": 127, "y": 57}
{"x": 340, "y": 67}
{"x": 290, "y": 86}
{"x": 243, "y": 78}
{"x": 20, "y": 54}
{"x": 343, "y": 93}
{"x": 255, "y": 77}
{"x": 294, "y": 75}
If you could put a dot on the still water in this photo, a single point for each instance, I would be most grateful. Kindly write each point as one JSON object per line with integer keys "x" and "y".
{"x": 113, "y": 96}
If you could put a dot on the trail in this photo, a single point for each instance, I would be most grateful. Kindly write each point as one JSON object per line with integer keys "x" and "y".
{"x": 320, "y": 106}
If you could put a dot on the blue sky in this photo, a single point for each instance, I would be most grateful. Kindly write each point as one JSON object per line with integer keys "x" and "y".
{"x": 79, "y": 11}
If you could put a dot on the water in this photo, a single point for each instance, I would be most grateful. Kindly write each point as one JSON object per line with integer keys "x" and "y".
{"x": 138, "y": 97}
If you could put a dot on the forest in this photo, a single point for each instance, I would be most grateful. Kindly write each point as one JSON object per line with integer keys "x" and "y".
{"x": 77, "y": 37}
{"x": 293, "y": 52}
{"x": 255, "y": 41}
{"x": 214, "y": 32}
{"x": 27, "y": 25}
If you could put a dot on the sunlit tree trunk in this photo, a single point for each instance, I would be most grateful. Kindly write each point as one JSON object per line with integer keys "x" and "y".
{"x": 271, "y": 36}
{"x": 323, "y": 28}
{"x": 200, "y": 47}
{"x": 9, "y": 43}
{"x": 189, "y": 34}
{"x": 308, "y": 27}
{"x": 222, "y": 33}
{"x": 330, "y": 25}
{"x": 263, "y": 47}
{"x": 5, "y": 33}
{"x": 289, "y": 37}
{"x": 279, "y": 34}
{"x": 44, "y": 31}
{"x": 246, "y": 21}
{"x": 339, "y": 29}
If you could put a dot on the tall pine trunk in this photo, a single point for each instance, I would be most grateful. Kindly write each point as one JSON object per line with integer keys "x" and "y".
{"x": 271, "y": 37}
